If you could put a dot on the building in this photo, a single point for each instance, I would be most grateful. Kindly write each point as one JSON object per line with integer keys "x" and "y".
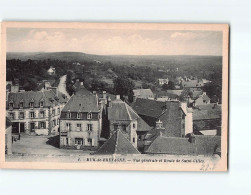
{"x": 35, "y": 112}
{"x": 117, "y": 144}
{"x": 207, "y": 119}
{"x": 143, "y": 93}
{"x": 122, "y": 117}
{"x": 80, "y": 122}
{"x": 192, "y": 84}
{"x": 8, "y": 136}
{"x": 168, "y": 95}
{"x": 163, "y": 81}
{"x": 51, "y": 71}
{"x": 202, "y": 100}
{"x": 191, "y": 145}
{"x": 176, "y": 117}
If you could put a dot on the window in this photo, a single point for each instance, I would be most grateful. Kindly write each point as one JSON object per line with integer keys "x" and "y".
{"x": 21, "y": 105}
{"x": 53, "y": 112}
{"x": 79, "y": 141}
{"x": 32, "y": 114}
{"x": 134, "y": 125}
{"x": 78, "y": 127}
{"x": 31, "y": 104}
{"x": 133, "y": 140}
{"x": 89, "y": 115}
{"x": 58, "y": 121}
{"x": 68, "y": 115}
{"x": 89, "y": 127}
{"x": 89, "y": 141}
{"x": 58, "y": 110}
{"x": 12, "y": 116}
{"x": 68, "y": 126}
{"x": 41, "y": 104}
{"x": 124, "y": 128}
{"x": 11, "y": 105}
{"x": 54, "y": 123}
{"x": 78, "y": 116}
{"x": 21, "y": 115}
{"x": 42, "y": 124}
{"x": 116, "y": 126}
{"x": 42, "y": 114}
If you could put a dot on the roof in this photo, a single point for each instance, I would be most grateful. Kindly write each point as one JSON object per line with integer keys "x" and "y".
{"x": 166, "y": 94}
{"x": 149, "y": 107}
{"x": 204, "y": 145}
{"x": 142, "y": 125}
{"x": 81, "y": 90}
{"x": 117, "y": 144}
{"x": 48, "y": 97}
{"x": 175, "y": 91}
{"x": 208, "y": 111}
{"x": 7, "y": 122}
{"x": 119, "y": 110}
{"x": 195, "y": 94}
{"x": 192, "y": 83}
{"x": 143, "y": 93}
{"x": 82, "y": 103}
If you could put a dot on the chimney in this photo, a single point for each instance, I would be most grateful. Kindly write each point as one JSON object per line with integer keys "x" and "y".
{"x": 109, "y": 102}
{"x": 104, "y": 94}
{"x": 117, "y": 97}
{"x": 82, "y": 83}
{"x": 159, "y": 124}
{"x": 191, "y": 138}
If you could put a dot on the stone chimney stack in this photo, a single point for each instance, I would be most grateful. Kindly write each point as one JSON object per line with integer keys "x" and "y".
{"x": 104, "y": 94}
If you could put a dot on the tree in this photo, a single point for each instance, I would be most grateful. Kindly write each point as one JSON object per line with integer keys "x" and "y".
{"x": 122, "y": 86}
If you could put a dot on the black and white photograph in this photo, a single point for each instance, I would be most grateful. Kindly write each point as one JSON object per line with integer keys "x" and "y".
{"x": 121, "y": 96}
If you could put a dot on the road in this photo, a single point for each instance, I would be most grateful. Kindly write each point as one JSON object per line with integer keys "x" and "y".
{"x": 62, "y": 86}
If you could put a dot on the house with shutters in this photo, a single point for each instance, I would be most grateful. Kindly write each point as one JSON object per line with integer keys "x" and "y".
{"x": 35, "y": 112}
{"x": 80, "y": 122}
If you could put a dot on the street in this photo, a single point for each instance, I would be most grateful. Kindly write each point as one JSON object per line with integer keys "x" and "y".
{"x": 62, "y": 86}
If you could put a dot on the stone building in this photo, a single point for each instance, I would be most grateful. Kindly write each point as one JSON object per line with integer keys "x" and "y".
{"x": 35, "y": 112}
{"x": 80, "y": 122}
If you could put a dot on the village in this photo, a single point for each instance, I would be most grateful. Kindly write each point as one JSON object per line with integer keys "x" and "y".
{"x": 172, "y": 117}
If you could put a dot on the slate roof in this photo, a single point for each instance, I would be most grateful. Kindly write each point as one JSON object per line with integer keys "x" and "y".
{"x": 142, "y": 125}
{"x": 120, "y": 110}
{"x": 204, "y": 145}
{"x": 117, "y": 144}
{"x": 149, "y": 107}
{"x": 48, "y": 96}
{"x": 81, "y": 90}
{"x": 166, "y": 94}
{"x": 196, "y": 93}
{"x": 143, "y": 93}
{"x": 82, "y": 103}
{"x": 206, "y": 112}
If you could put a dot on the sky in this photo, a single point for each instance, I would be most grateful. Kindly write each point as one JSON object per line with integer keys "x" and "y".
{"x": 115, "y": 41}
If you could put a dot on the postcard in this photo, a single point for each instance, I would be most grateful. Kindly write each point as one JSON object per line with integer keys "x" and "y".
{"x": 114, "y": 96}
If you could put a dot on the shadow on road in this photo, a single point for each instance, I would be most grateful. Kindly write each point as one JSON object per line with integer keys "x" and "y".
{"x": 53, "y": 141}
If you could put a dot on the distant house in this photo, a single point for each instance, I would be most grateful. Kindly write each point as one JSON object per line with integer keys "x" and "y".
{"x": 117, "y": 144}
{"x": 202, "y": 100}
{"x": 168, "y": 95}
{"x": 51, "y": 71}
{"x": 207, "y": 119}
{"x": 122, "y": 117}
{"x": 80, "y": 122}
{"x": 192, "y": 84}
{"x": 192, "y": 145}
{"x": 143, "y": 93}
{"x": 176, "y": 117}
{"x": 44, "y": 85}
{"x": 35, "y": 112}
{"x": 8, "y": 136}
{"x": 163, "y": 81}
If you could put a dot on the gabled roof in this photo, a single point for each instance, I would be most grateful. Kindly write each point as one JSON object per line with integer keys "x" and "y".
{"x": 82, "y": 103}
{"x": 119, "y": 110}
{"x": 117, "y": 144}
{"x": 206, "y": 112}
{"x": 204, "y": 145}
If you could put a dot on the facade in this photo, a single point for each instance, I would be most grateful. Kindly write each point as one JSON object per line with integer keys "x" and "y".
{"x": 35, "y": 112}
{"x": 80, "y": 122}
{"x": 143, "y": 93}
{"x": 163, "y": 81}
{"x": 202, "y": 100}
{"x": 8, "y": 136}
{"x": 122, "y": 117}
{"x": 192, "y": 84}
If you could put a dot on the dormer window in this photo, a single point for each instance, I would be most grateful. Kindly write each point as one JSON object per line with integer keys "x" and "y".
{"x": 89, "y": 116}
{"x": 21, "y": 105}
{"x": 11, "y": 105}
{"x": 31, "y": 104}
{"x": 41, "y": 104}
{"x": 68, "y": 115}
{"x": 78, "y": 115}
